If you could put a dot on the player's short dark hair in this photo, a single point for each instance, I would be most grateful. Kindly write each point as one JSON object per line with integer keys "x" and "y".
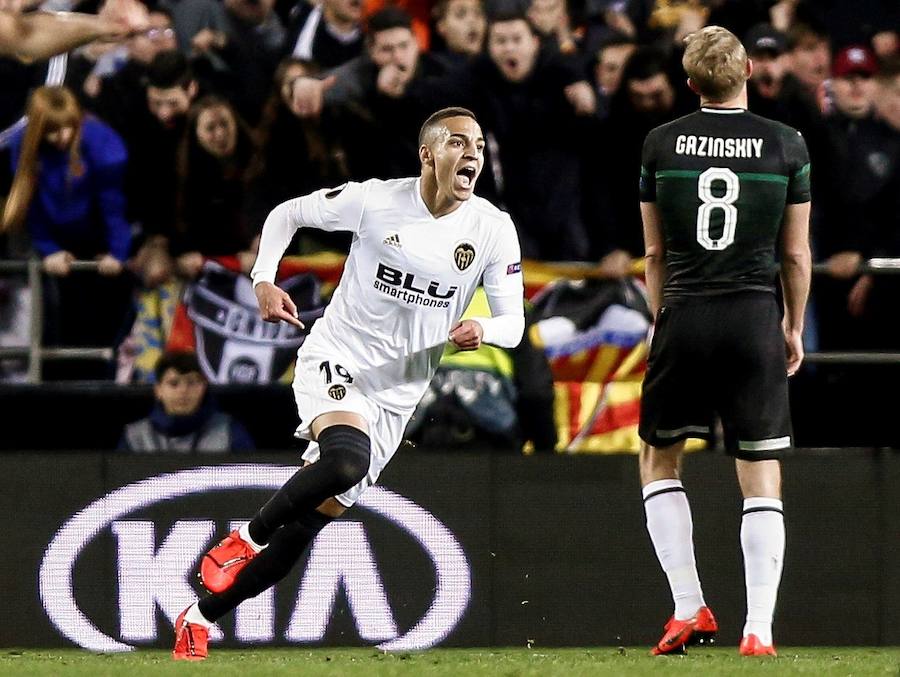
{"x": 443, "y": 114}
{"x": 386, "y": 19}
{"x": 169, "y": 69}
{"x": 182, "y": 361}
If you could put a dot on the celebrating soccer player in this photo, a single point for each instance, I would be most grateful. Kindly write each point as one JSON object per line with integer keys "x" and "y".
{"x": 721, "y": 191}
{"x": 421, "y": 246}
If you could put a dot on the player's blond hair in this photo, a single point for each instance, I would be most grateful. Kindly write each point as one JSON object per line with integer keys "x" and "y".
{"x": 716, "y": 61}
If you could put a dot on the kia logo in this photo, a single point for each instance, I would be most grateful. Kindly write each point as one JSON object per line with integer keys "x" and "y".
{"x": 340, "y": 556}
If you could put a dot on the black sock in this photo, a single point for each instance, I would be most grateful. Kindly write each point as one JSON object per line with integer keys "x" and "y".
{"x": 343, "y": 463}
{"x": 269, "y": 566}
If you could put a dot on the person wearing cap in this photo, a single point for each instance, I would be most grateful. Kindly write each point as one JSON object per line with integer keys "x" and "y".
{"x": 865, "y": 153}
{"x": 776, "y": 93}
{"x": 852, "y": 86}
{"x": 873, "y": 299}
{"x": 767, "y": 46}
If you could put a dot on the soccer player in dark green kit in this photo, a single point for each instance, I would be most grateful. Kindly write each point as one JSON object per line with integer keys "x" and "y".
{"x": 723, "y": 192}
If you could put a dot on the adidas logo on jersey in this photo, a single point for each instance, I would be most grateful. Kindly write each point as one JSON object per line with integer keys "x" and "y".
{"x": 392, "y": 240}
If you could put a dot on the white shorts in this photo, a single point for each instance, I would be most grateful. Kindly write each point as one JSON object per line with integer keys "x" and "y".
{"x": 317, "y": 394}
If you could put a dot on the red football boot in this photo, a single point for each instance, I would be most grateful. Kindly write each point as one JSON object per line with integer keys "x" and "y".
{"x": 706, "y": 627}
{"x": 679, "y": 634}
{"x": 190, "y": 640}
{"x": 221, "y": 565}
{"x": 751, "y": 646}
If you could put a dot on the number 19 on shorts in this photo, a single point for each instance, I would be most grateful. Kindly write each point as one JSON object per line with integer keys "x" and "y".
{"x": 712, "y": 202}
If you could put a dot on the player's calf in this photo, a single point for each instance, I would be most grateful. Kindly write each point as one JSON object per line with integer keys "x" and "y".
{"x": 267, "y": 568}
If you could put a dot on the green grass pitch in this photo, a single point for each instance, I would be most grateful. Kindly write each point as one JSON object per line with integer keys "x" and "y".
{"x": 708, "y": 662}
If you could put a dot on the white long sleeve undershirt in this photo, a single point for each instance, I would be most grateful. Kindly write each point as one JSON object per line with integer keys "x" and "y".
{"x": 506, "y": 326}
{"x": 277, "y": 232}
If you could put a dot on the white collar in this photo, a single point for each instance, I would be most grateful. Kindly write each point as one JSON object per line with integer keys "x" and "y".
{"x": 723, "y": 111}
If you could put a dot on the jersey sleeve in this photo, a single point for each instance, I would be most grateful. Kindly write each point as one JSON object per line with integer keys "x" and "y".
{"x": 503, "y": 274}
{"x": 329, "y": 209}
{"x": 505, "y": 291}
{"x": 648, "y": 168}
{"x": 797, "y": 157}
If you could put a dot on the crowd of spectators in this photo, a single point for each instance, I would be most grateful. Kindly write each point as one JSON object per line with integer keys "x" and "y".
{"x": 171, "y": 147}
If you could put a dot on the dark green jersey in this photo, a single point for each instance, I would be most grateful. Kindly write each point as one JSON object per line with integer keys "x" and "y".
{"x": 721, "y": 179}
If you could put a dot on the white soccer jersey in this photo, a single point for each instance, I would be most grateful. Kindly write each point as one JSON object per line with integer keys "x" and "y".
{"x": 407, "y": 280}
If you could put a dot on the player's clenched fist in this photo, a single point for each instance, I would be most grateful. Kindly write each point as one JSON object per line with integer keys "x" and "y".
{"x": 466, "y": 335}
{"x": 127, "y": 17}
{"x": 275, "y": 304}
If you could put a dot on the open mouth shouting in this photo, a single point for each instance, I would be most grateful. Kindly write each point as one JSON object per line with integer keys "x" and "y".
{"x": 511, "y": 67}
{"x": 466, "y": 176}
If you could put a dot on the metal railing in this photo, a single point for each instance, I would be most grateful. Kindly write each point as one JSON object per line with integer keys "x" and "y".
{"x": 37, "y": 353}
{"x": 878, "y": 266}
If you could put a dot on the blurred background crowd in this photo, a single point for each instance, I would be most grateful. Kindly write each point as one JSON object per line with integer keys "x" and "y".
{"x": 166, "y": 151}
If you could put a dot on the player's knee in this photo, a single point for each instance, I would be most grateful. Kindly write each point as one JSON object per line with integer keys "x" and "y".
{"x": 660, "y": 462}
{"x": 346, "y": 450}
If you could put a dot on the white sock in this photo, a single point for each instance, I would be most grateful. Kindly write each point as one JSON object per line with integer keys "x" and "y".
{"x": 672, "y": 532}
{"x": 193, "y": 615}
{"x": 244, "y": 533}
{"x": 762, "y": 540}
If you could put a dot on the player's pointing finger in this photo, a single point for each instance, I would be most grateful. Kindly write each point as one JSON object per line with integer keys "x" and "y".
{"x": 289, "y": 304}
{"x": 288, "y": 317}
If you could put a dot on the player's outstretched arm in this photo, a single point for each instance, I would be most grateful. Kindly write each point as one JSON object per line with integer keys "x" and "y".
{"x": 331, "y": 210}
{"x": 279, "y": 228}
{"x": 796, "y": 270}
{"x": 32, "y": 37}
{"x": 654, "y": 254}
{"x": 327, "y": 209}
{"x": 274, "y": 303}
